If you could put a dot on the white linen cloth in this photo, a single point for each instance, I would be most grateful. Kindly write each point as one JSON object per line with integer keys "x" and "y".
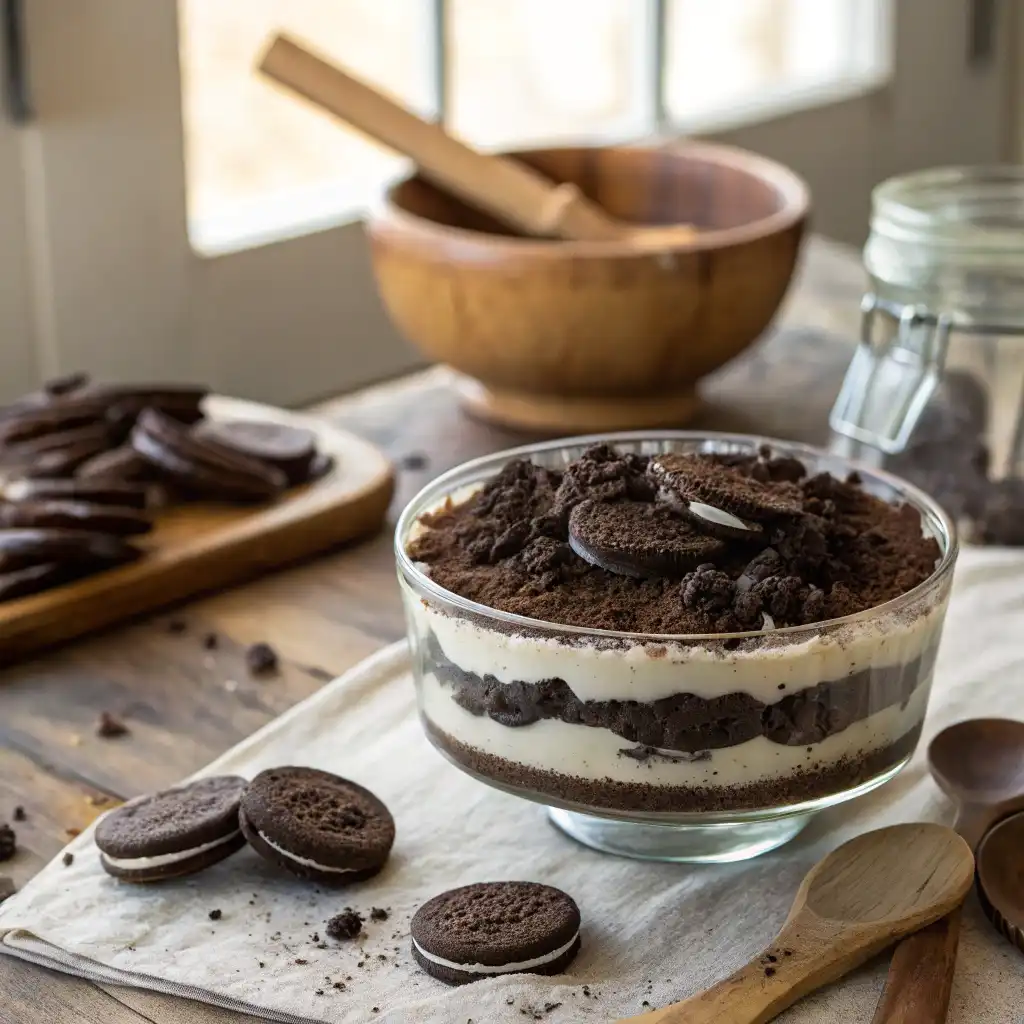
{"x": 655, "y": 932}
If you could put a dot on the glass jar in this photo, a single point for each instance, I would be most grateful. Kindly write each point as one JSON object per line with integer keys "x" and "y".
{"x": 666, "y": 746}
{"x": 935, "y": 391}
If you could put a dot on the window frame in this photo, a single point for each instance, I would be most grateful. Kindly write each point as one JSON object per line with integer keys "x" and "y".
{"x": 871, "y": 27}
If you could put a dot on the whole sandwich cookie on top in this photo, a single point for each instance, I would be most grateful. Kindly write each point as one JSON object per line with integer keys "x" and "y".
{"x": 492, "y": 928}
{"x": 317, "y": 825}
{"x": 173, "y": 833}
{"x": 638, "y": 539}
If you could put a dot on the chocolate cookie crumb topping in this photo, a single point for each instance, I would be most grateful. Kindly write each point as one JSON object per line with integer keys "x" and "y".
{"x": 8, "y": 842}
{"x": 827, "y": 547}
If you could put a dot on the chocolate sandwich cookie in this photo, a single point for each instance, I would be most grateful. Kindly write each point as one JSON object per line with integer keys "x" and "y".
{"x": 126, "y": 494}
{"x": 75, "y": 515}
{"x": 172, "y": 833}
{"x": 34, "y": 579}
{"x": 492, "y": 928}
{"x": 292, "y": 450}
{"x": 121, "y": 463}
{"x": 317, "y": 825}
{"x": 202, "y": 465}
{"x": 49, "y": 416}
{"x": 124, "y": 403}
{"x": 707, "y": 482}
{"x": 20, "y": 547}
{"x": 191, "y": 444}
{"x": 56, "y": 440}
{"x": 65, "y": 384}
{"x": 639, "y": 539}
{"x": 197, "y": 479}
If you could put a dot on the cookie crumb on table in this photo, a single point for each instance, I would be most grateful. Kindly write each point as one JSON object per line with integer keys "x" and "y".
{"x": 261, "y": 659}
{"x": 378, "y": 914}
{"x": 19, "y": 813}
{"x": 346, "y": 925}
{"x": 216, "y": 915}
{"x": 413, "y": 461}
{"x": 110, "y": 726}
{"x": 8, "y": 842}
{"x": 211, "y": 641}
{"x": 68, "y": 859}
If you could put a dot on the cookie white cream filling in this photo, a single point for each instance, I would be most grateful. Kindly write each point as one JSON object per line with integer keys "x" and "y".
{"x": 304, "y": 861}
{"x": 162, "y": 860}
{"x": 511, "y": 968}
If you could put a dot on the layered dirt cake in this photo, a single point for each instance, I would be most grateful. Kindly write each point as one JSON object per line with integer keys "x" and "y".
{"x": 735, "y": 689}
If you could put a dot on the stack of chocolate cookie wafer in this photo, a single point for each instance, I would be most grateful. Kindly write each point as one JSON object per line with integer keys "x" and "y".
{"x": 83, "y": 465}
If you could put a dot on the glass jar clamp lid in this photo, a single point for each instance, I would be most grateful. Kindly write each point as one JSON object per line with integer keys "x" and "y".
{"x": 935, "y": 391}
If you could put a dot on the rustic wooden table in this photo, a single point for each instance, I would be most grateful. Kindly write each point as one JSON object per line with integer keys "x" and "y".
{"x": 185, "y": 704}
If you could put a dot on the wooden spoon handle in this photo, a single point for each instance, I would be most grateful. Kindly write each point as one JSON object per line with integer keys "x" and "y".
{"x": 921, "y": 975}
{"x": 505, "y": 188}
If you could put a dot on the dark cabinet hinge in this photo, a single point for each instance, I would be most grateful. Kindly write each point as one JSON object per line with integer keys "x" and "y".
{"x": 981, "y": 33}
{"x": 15, "y": 71}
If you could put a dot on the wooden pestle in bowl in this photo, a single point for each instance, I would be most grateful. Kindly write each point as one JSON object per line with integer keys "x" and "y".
{"x": 508, "y": 190}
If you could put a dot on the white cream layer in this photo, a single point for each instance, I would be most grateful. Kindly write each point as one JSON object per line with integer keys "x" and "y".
{"x": 652, "y": 671}
{"x": 130, "y": 863}
{"x": 304, "y": 861}
{"x": 510, "y": 968}
{"x": 593, "y": 753}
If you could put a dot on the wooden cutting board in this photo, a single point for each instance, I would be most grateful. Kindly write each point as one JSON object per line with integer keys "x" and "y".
{"x": 202, "y": 547}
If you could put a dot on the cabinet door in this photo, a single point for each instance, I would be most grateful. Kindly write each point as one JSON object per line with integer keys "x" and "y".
{"x": 193, "y": 221}
{"x": 26, "y": 345}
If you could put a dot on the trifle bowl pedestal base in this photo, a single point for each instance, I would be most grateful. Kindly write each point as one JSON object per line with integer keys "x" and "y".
{"x": 706, "y": 839}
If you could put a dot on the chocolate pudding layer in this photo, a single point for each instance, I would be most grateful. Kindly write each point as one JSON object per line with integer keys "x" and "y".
{"x": 683, "y": 722}
{"x": 748, "y": 714}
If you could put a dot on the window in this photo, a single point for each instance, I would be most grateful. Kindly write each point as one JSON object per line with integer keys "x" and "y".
{"x": 261, "y": 164}
{"x": 171, "y": 215}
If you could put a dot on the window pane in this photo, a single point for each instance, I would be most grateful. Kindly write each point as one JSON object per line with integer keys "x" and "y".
{"x": 530, "y": 70}
{"x": 255, "y": 152}
{"x": 733, "y": 52}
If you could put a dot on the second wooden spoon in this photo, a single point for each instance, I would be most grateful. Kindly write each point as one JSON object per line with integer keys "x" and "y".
{"x": 854, "y": 903}
{"x": 979, "y": 765}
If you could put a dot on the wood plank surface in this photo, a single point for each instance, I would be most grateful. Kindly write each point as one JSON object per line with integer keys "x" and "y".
{"x": 185, "y": 704}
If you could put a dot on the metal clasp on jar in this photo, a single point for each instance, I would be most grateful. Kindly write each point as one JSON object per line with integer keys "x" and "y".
{"x": 897, "y": 367}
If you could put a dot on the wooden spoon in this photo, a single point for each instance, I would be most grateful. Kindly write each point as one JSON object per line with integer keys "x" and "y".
{"x": 979, "y": 765}
{"x": 1001, "y": 878}
{"x": 505, "y": 188}
{"x": 854, "y": 903}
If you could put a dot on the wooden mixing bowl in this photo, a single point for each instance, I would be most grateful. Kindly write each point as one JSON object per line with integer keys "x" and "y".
{"x": 577, "y": 336}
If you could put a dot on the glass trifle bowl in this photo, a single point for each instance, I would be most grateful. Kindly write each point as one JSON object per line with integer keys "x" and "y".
{"x": 681, "y": 746}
